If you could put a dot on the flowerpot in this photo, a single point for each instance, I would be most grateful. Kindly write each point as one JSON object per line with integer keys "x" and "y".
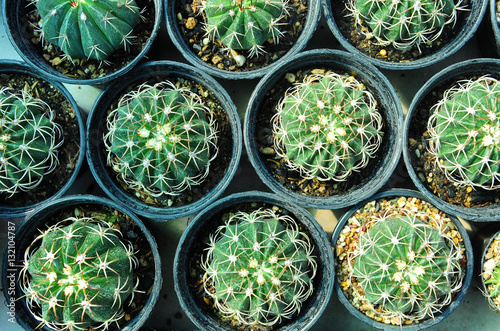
{"x": 452, "y": 38}
{"x": 489, "y": 276}
{"x": 40, "y": 221}
{"x": 368, "y": 215}
{"x": 200, "y": 232}
{"x": 465, "y": 201}
{"x": 70, "y": 154}
{"x": 206, "y": 54}
{"x": 21, "y": 24}
{"x": 494, "y": 26}
{"x": 224, "y": 165}
{"x": 329, "y": 194}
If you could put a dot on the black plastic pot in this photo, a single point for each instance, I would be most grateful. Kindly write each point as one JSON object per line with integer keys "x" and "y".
{"x": 445, "y": 79}
{"x": 96, "y": 125}
{"x": 35, "y": 222}
{"x": 17, "y": 67}
{"x": 14, "y": 11}
{"x": 470, "y": 22}
{"x": 313, "y": 16}
{"x": 206, "y": 222}
{"x": 426, "y": 323}
{"x": 375, "y": 81}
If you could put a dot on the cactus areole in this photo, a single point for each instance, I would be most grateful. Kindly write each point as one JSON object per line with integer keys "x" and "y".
{"x": 90, "y": 29}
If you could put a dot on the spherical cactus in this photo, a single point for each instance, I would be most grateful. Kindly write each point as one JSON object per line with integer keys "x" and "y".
{"x": 327, "y": 127}
{"x": 404, "y": 23}
{"x": 88, "y": 29}
{"x": 245, "y": 24}
{"x": 259, "y": 268}
{"x": 407, "y": 267}
{"x": 80, "y": 275}
{"x": 491, "y": 272}
{"x": 161, "y": 139}
{"x": 464, "y": 133}
{"x": 29, "y": 139}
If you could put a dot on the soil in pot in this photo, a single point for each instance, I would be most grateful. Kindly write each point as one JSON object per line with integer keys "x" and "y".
{"x": 277, "y": 165}
{"x": 190, "y": 23}
{"x": 218, "y": 166}
{"x": 388, "y": 53}
{"x": 365, "y": 218}
{"x": 429, "y": 173}
{"x": 68, "y": 153}
{"x": 88, "y": 68}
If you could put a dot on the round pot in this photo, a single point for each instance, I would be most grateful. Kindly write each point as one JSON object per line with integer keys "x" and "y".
{"x": 14, "y": 13}
{"x": 18, "y": 67}
{"x": 440, "y": 81}
{"x": 379, "y": 86}
{"x": 96, "y": 125}
{"x": 425, "y": 323}
{"x": 494, "y": 26}
{"x": 37, "y": 221}
{"x": 313, "y": 16}
{"x": 468, "y": 25}
{"x": 199, "y": 230}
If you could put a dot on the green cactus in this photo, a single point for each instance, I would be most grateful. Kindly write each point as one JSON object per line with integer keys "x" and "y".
{"x": 327, "y": 127}
{"x": 259, "y": 268}
{"x": 161, "y": 139}
{"x": 29, "y": 139}
{"x": 80, "y": 275}
{"x": 245, "y": 24}
{"x": 406, "y": 267}
{"x": 404, "y": 23}
{"x": 464, "y": 133}
{"x": 88, "y": 29}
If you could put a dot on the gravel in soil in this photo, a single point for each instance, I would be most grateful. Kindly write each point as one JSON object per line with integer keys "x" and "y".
{"x": 68, "y": 153}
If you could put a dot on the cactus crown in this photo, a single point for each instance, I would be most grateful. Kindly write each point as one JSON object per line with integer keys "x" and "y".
{"x": 245, "y": 24}
{"x": 161, "y": 139}
{"x": 259, "y": 267}
{"x": 80, "y": 275}
{"x": 88, "y": 29}
{"x": 406, "y": 267}
{"x": 464, "y": 133}
{"x": 327, "y": 126}
{"x": 29, "y": 139}
{"x": 404, "y": 23}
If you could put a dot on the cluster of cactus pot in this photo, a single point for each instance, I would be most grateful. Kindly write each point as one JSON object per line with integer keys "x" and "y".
{"x": 464, "y": 133}
{"x": 403, "y": 23}
{"x": 79, "y": 276}
{"x": 245, "y": 24}
{"x": 259, "y": 267}
{"x": 327, "y": 126}
{"x": 29, "y": 138}
{"x": 161, "y": 139}
{"x": 406, "y": 267}
{"x": 88, "y": 29}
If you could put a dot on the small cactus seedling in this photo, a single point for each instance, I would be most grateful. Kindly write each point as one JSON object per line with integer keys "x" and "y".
{"x": 29, "y": 139}
{"x": 88, "y": 29}
{"x": 327, "y": 126}
{"x": 406, "y": 267}
{"x": 245, "y": 24}
{"x": 259, "y": 268}
{"x": 464, "y": 132}
{"x": 79, "y": 277}
{"x": 404, "y": 23}
{"x": 161, "y": 139}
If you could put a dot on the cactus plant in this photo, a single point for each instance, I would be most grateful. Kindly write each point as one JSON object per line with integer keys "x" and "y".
{"x": 491, "y": 272}
{"x": 88, "y": 29}
{"x": 79, "y": 276}
{"x": 406, "y": 267}
{"x": 29, "y": 139}
{"x": 327, "y": 126}
{"x": 161, "y": 139}
{"x": 245, "y": 24}
{"x": 464, "y": 133}
{"x": 403, "y": 23}
{"x": 259, "y": 267}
